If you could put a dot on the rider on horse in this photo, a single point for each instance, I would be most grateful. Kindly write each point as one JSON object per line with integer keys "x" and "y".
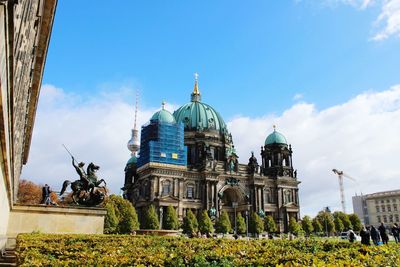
{"x": 82, "y": 174}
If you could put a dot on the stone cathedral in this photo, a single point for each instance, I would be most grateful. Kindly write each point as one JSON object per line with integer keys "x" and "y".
{"x": 187, "y": 159}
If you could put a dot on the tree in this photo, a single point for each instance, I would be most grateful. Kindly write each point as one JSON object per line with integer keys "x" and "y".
{"x": 325, "y": 218}
{"x": 355, "y": 222}
{"x": 317, "y": 226}
{"x": 347, "y": 225}
{"x": 190, "y": 224}
{"x": 338, "y": 225}
{"x": 223, "y": 224}
{"x": 269, "y": 224}
{"x": 294, "y": 226}
{"x": 29, "y": 193}
{"x": 307, "y": 225}
{"x": 125, "y": 214}
{"x": 241, "y": 224}
{"x": 205, "y": 223}
{"x": 256, "y": 224}
{"x": 110, "y": 220}
{"x": 151, "y": 221}
{"x": 170, "y": 220}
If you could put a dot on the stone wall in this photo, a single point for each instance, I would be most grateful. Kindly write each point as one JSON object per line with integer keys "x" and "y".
{"x": 55, "y": 220}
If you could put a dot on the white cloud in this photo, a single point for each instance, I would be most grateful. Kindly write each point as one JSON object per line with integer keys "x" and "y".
{"x": 388, "y": 20}
{"x": 359, "y": 137}
{"x": 297, "y": 96}
{"x": 387, "y": 23}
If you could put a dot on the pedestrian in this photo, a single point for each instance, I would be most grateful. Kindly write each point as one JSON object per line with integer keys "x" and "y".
{"x": 383, "y": 233}
{"x": 352, "y": 236}
{"x": 396, "y": 232}
{"x": 375, "y": 235}
{"x": 46, "y": 195}
{"x": 365, "y": 236}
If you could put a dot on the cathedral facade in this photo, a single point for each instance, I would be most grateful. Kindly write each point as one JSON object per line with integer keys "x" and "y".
{"x": 187, "y": 160}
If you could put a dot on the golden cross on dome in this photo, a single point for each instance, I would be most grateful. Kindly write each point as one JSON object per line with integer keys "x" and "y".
{"x": 196, "y": 84}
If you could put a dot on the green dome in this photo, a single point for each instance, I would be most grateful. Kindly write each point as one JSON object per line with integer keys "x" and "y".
{"x": 275, "y": 138}
{"x": 197, "y": 115}
{"x": 132, "y": 160}
{"x": 163, "y": 116}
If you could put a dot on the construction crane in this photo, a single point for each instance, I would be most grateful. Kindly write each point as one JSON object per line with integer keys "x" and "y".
{"x": 340, "y": 175}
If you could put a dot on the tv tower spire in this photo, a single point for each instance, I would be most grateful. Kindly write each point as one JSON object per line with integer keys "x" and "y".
{"x": 134, "y": 144}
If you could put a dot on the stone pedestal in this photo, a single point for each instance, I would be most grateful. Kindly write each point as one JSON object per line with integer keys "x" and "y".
{"x": 55, "y": 220}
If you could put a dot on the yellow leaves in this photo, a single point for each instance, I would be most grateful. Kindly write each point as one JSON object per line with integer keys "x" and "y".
{"x": 117, "y": 250}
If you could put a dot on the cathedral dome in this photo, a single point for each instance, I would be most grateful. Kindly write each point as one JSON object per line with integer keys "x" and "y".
{"x": 275, "y": 138}
{"x": 196, "y": 115}
{"x": 163, "y": 116}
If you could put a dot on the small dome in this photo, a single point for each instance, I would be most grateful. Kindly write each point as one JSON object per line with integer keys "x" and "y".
{"x": 275, "y": 138}
{"x": 132, "y": 160}
{"x": 163, "y": 116}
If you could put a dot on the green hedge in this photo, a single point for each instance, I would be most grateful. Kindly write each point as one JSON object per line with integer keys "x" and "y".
{"x": 123, "y": 250}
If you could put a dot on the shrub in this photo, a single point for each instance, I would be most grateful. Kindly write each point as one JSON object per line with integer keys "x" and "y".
{"x": 205, "y": 223}
{"x": 170, "y": 220}
{"x": 241, "y": 224}
{"x": 256, "y": 224}
{"x": 294, "y": 226}
{"x": 307, "y": 225}
{"x": 269, "y": 224}
{"x": 29, "y": 193}
{"x": 190, "y": 225}
{"x": 223, "y": 225}
{"x": 124, "y": 212}
{"x": 110, "y": 220}
{"x": 151, "y": 221}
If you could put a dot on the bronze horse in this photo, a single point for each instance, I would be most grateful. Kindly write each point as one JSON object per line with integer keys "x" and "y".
{"x": 85, "y": 190}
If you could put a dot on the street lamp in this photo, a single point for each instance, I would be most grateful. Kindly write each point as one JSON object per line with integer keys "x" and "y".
{"x": 247, "y": 224}
{"x": 234, "y": 206}
{"x": 161, "y": 216}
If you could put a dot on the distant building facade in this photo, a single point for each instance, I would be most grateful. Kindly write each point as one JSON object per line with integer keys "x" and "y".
{"x": 188, "y": 160}
{"x": 25, "y": 28}
{"x": 376, "y": 208}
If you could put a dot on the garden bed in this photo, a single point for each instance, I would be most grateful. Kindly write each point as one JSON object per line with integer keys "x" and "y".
{"x": 125, "y": 250}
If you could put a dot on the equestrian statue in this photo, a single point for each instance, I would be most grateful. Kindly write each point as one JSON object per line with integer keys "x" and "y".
{"x": 88, "y": 190}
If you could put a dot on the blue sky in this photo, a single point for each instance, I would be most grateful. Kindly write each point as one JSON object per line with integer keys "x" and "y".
{"x": 256, "y": 55}
{"x": 339, "y": 57}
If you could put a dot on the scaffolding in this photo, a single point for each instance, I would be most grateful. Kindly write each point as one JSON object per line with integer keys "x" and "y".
{"x": 163, "y": 143}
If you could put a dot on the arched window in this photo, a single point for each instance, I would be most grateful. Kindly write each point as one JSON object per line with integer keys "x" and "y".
{"x": 166, "y": 188}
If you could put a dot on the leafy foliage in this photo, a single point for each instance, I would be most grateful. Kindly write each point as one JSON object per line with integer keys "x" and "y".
{"x": 190, "y": 225}
{"x": 355, "y": 222}
{"x": 317, "y": 226}
{"x": 307, "y": 225}
{"x": 326, "y": 220}
{"x": 205, "y": 223}
{"x": 223, "y": 225}
{"x": 339, "y": 227}
{"x": 170, "y": 220}
{"x": 124, "y": 216}
{"x": 110, "y": 220}
{"x": 294, "y": 226}
{"x": 269, "y": 224}
{"x": 347, "y": 225}
{"x": 256, "y": 224}
{"x": 151, "y": 221}
{"x": 240, "y": 224}
{"x": 127, "y": 250}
